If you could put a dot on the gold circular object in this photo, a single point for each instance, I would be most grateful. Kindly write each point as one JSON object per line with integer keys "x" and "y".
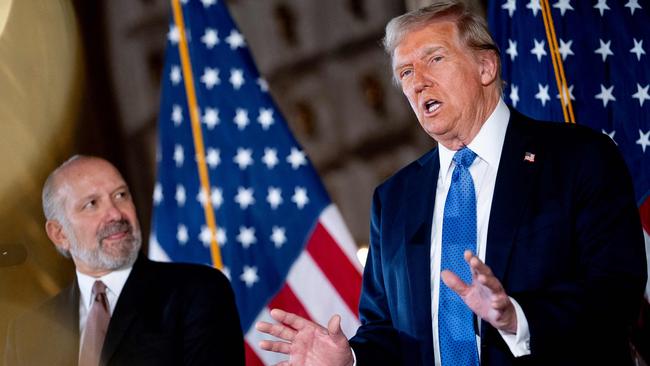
{"x": 40, "y": 76}
{"x": 41, "y": 80}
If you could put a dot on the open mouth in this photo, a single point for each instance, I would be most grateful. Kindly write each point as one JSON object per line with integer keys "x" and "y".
{"x": 431, "y": 105}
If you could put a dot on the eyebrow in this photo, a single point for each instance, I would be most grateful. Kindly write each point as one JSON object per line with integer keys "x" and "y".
{"x": 425, "y": 53}
{"x": 121, "y": 187}
{"x": 94, "y": 195}
{"x": 78, "y": 204}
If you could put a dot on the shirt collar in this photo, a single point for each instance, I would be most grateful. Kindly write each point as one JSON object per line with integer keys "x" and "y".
{"x": 114, "y": 282}
{"x": 487, "y": 144}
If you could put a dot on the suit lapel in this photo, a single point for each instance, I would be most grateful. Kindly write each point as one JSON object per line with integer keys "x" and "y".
{"x": 73, "y": 296}
{"x": 127, "y": 306}
{"x": 418, "y": 211}
{"x": 511, "y": 191}
{"x": 62, "y": 340}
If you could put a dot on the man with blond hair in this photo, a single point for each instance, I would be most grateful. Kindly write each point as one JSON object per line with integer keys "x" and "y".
{"x": 514, "y": 242}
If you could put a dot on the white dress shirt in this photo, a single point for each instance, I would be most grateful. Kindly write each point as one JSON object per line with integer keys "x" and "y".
{"x": 487, "y": 145}
{"x": 114, "y": 282}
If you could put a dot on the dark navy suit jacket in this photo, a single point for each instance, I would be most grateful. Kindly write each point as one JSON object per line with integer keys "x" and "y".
{"x": 167, "y": 314}
{"x": 564, "y": 239}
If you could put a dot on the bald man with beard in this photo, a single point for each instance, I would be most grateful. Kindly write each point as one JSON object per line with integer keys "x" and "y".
{"x": 160, "y": 313}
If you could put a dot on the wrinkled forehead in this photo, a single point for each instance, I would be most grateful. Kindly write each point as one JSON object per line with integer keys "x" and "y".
{"x": 87, "y": 176}
{"x": 423, "y": 38}
{"x": 433, "y": 21}
{"x": 88, "y": 166}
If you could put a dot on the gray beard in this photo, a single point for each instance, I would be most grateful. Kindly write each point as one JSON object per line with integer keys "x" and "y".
{"x": 97, "y": 259}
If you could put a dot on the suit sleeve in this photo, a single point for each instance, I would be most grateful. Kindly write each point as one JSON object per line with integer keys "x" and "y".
{"x": 212, "y": 331}
{"x": 376, "y": 341}
{"x": 594, "y": 308}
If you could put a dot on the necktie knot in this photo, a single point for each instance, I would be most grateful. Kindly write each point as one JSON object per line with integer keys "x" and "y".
{"x": 99, "y": 289}
{"x": 464, "y": 157}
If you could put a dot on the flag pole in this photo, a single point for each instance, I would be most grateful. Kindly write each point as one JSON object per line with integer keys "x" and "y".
{"x": 558, "y": 67}
{"x": 188, "y": 79}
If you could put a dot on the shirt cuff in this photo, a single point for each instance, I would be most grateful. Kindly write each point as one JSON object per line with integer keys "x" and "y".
{"x": 519, "y": 343}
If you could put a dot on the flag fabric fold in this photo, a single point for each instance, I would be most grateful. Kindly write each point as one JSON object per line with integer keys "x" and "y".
{"x": 602, "y": 47}
{"x": 281, "y": 240}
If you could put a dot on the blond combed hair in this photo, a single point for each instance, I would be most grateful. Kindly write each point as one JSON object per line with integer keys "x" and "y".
{"x": 472, "y": 28}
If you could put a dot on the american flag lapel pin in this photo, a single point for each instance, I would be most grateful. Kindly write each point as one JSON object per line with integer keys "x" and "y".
{"x": 529, "y": 157}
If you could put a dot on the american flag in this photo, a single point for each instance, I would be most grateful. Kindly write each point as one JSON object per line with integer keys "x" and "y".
{"x": 281, "y": 240}
{"x": 607, "y": 71}
{"x": 602, "y": 48}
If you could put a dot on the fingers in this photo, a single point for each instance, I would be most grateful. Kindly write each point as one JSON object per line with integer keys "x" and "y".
{"x": 491, "y": 282}
{"x": 276, "y": 330}
{"x": 468, "y": 254}
{"x": 275, "y": 346}
{"x": 334, "y": 328}
{"x": 291, "y": 319}
{"x": 501, "y": 303}
{"x": 476, "y": 265}
{"x": 334, "y": 325}
{"x": 482, "y": 273}
{"x": 454, "y": 282}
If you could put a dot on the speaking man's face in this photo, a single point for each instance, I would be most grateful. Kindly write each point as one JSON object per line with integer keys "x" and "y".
{"x": 442, "y": 79}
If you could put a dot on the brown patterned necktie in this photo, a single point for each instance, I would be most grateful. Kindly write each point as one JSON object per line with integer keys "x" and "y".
{"x": 93, "y": 335}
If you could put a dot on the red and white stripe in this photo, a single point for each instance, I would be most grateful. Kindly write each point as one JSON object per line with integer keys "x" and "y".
{"x": 325, "y": 280}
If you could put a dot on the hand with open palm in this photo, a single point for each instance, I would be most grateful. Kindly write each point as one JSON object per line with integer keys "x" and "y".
{"x": 307, "y": 343}
{"x": 485, "y": 296}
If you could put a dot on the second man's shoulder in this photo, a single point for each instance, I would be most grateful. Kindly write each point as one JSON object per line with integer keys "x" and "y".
{"x": 187, "y": 272}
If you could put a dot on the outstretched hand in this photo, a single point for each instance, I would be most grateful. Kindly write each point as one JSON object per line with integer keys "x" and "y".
{"x": 306, "y": 343}
{"x": 485, "y": 296}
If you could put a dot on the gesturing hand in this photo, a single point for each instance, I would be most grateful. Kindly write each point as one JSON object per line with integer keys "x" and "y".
{"x": 484, "y": 296}
{"x": 306, "y": 343}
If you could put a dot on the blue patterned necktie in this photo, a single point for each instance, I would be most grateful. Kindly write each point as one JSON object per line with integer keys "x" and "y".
{"x": 455, "y": 319}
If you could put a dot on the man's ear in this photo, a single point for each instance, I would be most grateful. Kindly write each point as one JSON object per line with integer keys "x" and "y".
{"x": 55, "y": 232}
{"x": 489, "y": 66}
